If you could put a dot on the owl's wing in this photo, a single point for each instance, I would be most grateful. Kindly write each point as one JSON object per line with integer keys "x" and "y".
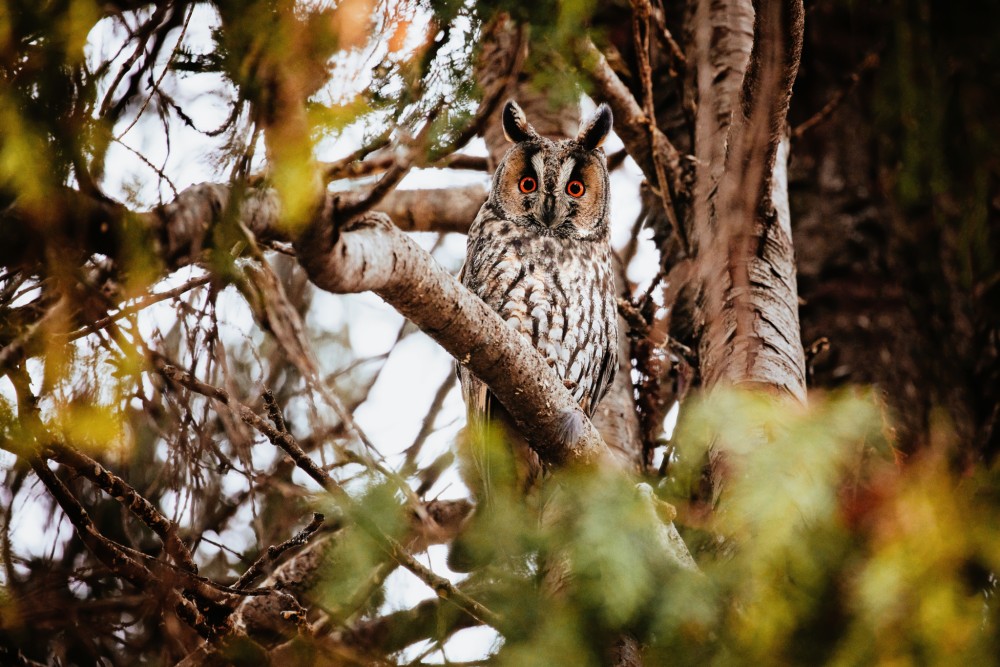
{"x": 605, "y": 376}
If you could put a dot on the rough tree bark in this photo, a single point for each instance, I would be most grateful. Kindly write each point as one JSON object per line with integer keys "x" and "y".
{"x": 743, "y": 230}
{"x": 729, "y": 280}
{"x": 889, "y": 292}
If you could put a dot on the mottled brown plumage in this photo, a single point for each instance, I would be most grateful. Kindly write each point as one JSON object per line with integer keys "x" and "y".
{"x": 539, "y": 254}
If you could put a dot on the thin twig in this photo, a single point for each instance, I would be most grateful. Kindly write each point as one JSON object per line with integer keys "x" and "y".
{"x": 344, "y": 168}
{"x": 871, "y": 61}
{"x": 394, "y": 174}
{"x": 274, "y": 552}
{"x": 111, "y": 554}
{"x": 427, "y": 427}
{"x": 119, "y": 489}
{"x": 641, "y": 11}
{"x": 146, "y": 30}
{"x": 163, "y": 74}
{"x": 159, "y": 171}
{"x": 444, "y": 588}
{"x": 676, "y": 52}
{"x": 140, "y": 304}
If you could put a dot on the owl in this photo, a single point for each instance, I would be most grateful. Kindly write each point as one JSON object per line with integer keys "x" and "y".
{"x": 539, "y": 255}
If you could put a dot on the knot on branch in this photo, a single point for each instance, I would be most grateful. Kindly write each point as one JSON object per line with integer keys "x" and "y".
{"x": 339, "y": 256}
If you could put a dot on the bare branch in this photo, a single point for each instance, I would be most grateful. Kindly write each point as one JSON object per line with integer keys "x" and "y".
{"x": 274, "y": 552}
{"x": 444, "y": 588}
{"x": 648, "y": 146}
{"x": 355, "y": 168}
{"x": 119, "y": 489}
{"x": 871, "y": 61}
{"x": 111, "y": 554}
{"x": 435, "y": 210}
{"x": 352, "y": 165}
{"x": 137, "y": 306}
{"x": 396, "y": 631}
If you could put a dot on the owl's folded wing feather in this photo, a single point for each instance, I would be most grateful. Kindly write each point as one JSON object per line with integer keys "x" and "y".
{"x": 605, "y": 376}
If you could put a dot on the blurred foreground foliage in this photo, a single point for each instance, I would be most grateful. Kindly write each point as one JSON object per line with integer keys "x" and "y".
{"x": 827, "y": 549}
{"x": 824, "y": 548}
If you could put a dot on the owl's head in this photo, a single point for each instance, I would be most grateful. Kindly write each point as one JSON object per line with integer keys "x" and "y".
{"x": 556, "y": 188}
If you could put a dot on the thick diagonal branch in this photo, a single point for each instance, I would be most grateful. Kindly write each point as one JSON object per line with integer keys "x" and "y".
{"x": 373, "y": 255}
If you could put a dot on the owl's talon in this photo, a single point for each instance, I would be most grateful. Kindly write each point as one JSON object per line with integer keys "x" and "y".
{"x": 569, "y": 384}
{"x": 664, "y": 510}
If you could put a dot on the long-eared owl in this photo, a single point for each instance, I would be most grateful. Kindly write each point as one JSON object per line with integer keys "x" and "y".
{"x": 539, "y": 254}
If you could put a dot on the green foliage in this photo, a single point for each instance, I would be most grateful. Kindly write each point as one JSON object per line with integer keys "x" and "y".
{"x": 46, "y": 96}
{"x": 351, "y": 576}
{"x": 832, "y": 552}
{"x": 822, "y": 550}
{"x": 556, "y": 26}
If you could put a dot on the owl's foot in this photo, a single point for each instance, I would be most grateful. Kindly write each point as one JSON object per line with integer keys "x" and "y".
{"x": 569, "y": 384}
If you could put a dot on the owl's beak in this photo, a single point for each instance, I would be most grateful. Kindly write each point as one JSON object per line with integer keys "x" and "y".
{"x": 548, "y": 210}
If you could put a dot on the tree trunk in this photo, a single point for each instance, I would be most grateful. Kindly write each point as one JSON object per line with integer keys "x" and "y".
{"x": 889, "y": 276}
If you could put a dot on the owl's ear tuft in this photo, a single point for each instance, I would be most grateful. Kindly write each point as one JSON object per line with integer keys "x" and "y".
{"x": 515, "y": 125}
{"x": 595, "y": 131}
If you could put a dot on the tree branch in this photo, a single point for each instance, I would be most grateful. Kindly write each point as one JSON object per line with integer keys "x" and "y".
{"x": 436, "y": 209}
{"x": 119, "y": 489}
{"x": 648, "y": 146}
{"x": 113, "y": 556}
{"x": 444, "y": 588}
{"x": 371, "y": 254}
{"x": 275, "y": 551}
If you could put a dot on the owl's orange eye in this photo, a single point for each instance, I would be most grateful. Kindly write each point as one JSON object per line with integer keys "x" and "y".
{"x": 575, "y": 189}
{"x": 528, "y": 185}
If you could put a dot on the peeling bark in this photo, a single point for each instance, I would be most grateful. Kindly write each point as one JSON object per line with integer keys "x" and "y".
{"x": 751, "y": 336}
{"x": 750, "y": 312}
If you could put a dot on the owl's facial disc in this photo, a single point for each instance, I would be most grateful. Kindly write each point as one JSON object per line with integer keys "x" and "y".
{"x": 556, "y": 188}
